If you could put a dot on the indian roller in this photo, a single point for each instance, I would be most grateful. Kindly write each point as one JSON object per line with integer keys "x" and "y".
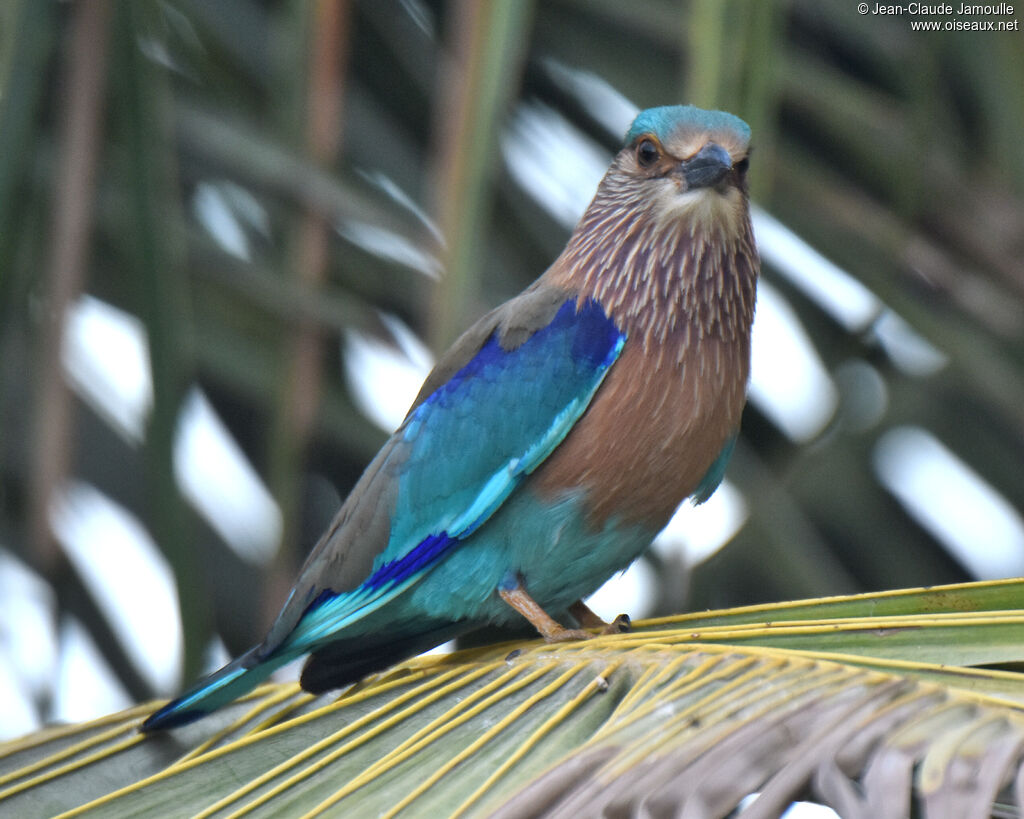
{"x": 554, "y": 439}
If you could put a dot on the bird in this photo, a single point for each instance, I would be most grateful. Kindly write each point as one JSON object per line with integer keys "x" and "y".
{"x": 554, "y": 439}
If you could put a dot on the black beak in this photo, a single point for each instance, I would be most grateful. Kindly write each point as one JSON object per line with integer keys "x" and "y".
{"x": 707, "y": 167}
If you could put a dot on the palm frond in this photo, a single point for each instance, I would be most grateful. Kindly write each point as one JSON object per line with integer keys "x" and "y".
{"x": 875, "y": 715}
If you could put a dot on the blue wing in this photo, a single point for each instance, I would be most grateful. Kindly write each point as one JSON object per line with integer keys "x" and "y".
{"x": 491, "y": 415}
{"x": 470, "y": 443}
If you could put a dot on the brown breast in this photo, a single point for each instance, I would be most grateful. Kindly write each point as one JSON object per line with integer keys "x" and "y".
{"x": 653, "y": 429}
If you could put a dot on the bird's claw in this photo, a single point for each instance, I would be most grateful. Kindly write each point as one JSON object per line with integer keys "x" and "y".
{"x": 620, "y": 625}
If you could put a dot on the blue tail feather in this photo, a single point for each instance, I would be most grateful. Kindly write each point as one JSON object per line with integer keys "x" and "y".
{"x": 232, "y": 681}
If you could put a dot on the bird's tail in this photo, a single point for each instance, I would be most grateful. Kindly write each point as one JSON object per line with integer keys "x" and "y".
{"x": 232, "y": 681}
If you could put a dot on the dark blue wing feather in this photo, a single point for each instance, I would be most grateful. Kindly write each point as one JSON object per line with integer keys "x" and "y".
{"x": 459, "y": 454}
{"x": 471, "y": 441}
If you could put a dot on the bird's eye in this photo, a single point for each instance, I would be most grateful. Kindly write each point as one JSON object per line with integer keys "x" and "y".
{"x": 743, "y": 164}
{"x": 647, "y": 153}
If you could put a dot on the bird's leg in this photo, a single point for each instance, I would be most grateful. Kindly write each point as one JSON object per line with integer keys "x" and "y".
{"x": 513, "y": 593}
{"x": 588, "y": 619}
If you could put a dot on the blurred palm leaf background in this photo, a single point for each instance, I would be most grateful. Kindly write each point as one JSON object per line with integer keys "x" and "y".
{"x": 223, "y": 228}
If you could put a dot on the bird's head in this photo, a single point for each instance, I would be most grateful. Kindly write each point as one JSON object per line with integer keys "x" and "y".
{"x": 669, "y": 227}
{"x": 685, "y": 163}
